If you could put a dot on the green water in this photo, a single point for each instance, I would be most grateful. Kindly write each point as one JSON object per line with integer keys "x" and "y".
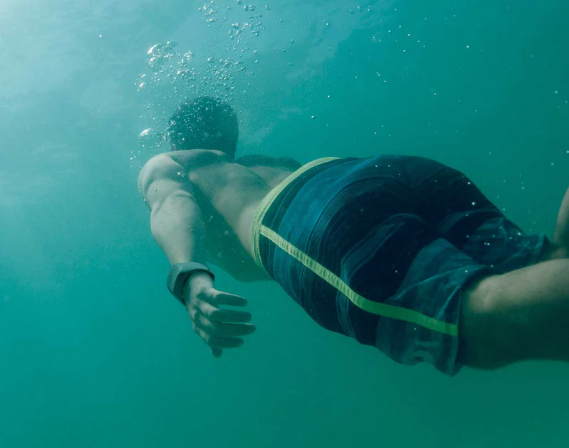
{"x": 93, "y": 350}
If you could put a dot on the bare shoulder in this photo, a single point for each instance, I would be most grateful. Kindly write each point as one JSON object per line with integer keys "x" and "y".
{"x": 160, "y": 166}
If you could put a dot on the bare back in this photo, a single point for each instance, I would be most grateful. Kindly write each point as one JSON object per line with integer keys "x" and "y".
{"x": 228, "y": 195}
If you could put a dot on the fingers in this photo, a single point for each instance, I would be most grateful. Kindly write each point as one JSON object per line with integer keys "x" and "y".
{"x": 224, "y": 298}
{"x": 223, "y": 316}
{"x": 217, "y": 343}
{"x": 220, "y": 328}
{"x": 223, "y": 330}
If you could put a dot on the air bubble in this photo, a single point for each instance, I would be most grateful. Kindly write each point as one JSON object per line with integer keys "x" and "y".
{"x": 149, "y": 138}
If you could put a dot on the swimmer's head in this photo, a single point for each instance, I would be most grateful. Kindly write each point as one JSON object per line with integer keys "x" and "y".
{"x": 204, "y": 123}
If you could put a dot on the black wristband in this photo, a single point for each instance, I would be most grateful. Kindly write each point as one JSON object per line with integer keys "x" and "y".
{"x": 179, "y": 275}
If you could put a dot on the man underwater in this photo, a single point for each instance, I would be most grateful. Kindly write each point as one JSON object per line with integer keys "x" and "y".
{"x": 401, "y": 253}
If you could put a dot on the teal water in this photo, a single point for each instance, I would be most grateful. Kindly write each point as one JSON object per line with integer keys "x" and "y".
{"x": 93, "y": 350}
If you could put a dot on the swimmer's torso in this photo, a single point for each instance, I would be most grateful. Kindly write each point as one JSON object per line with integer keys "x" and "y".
{"x": 228, "y": 195}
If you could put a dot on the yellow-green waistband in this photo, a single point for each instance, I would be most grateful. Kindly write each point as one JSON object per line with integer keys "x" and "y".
{"x": 266, "y": 203}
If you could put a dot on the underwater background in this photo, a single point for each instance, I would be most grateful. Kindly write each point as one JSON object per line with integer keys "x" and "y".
{"x": 94, "y": 352}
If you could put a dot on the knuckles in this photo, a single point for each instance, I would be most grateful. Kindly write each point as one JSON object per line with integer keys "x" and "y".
{"x": 214, "y": 314}
{"x": 210, "y": 327}
{"x": 205, "y": 295}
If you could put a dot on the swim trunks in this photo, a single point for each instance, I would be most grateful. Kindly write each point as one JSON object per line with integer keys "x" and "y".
{"x": 379, "y": 249}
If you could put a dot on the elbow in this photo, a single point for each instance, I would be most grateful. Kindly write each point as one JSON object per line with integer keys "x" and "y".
{"x": 174, "y": 200}
{"x": 180, "y": 194}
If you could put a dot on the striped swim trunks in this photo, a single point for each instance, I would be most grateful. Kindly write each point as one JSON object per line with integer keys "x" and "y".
{"x": 379, "y": 249}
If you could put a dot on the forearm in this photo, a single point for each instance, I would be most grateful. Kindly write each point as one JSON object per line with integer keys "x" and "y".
{"x": 179, "y": 229}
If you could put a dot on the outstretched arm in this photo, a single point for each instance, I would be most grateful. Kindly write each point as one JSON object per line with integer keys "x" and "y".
{"x": 176, "y": 221}
{"x": 178, "y": 227}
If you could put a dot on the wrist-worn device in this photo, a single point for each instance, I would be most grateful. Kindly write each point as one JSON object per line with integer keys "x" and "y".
{"x": 180, "y": 273}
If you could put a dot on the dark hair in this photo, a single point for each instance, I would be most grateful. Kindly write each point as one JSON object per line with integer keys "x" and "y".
{"x": 205, "y": 123}
{"x": 275, "y": 162}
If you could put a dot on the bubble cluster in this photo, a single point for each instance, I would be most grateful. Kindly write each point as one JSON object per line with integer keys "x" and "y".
{"x": 209, "y": 11}
{"x": 186, "y": 59}
{"x": 160, "y": 54}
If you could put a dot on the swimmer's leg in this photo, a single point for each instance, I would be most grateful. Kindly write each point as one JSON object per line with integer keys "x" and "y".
{"x": 521, "y": 315}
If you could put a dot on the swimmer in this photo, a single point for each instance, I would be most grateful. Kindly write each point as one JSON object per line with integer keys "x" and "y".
{"x": 401, "y": 253}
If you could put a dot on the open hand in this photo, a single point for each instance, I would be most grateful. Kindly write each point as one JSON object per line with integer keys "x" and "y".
{"x": 219, "y": 328}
